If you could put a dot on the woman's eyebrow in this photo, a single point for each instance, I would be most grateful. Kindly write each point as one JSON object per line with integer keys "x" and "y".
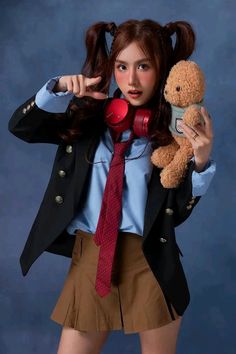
{"x": 138, "y": 61}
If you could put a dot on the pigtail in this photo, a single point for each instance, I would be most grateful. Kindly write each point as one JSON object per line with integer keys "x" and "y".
{"x": 97, "y": 53}
{"x": 185, "y": 40}
{"x": 183, "y": 48}
{"x": 81, "y": 111}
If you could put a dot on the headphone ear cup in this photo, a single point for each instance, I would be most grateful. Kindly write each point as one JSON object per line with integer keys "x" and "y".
{"x": 142, "y": 121}
{"x": 119, "y": 114}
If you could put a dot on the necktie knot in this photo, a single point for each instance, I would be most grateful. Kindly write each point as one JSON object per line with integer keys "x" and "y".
{"x": 120, "y": 148}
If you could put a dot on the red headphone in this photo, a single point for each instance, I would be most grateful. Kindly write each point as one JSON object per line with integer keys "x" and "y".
{"x": 120, "y": 115}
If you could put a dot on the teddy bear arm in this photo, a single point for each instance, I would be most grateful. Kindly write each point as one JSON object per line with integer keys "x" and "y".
{"x": 173, "y": 174}
{"x": 163, "y": 155}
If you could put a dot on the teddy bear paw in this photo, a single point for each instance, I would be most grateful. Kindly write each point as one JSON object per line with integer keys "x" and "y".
{"x": 170, "y": 178}
{"x": 162, "y": 156}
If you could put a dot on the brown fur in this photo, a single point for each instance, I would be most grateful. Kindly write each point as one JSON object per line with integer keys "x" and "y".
{"x": 174, "y": 157}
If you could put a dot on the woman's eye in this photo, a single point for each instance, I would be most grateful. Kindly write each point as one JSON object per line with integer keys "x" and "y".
{"x": 143, "y": 66}
{"x": 121, "y": 67}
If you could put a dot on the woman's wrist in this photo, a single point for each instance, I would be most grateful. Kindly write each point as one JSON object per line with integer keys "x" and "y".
{"x": 55, "y": 88}
{"x": 58, "y": 87}
{"x": 200, "y": 166}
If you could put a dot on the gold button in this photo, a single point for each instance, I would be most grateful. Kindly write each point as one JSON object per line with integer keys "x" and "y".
{"x": 191, "y": 202}
{"x": 62, "y": 173}
{"x": 189, "y": 207}
{"x": 32, "y": 103}
{"x": 169, "y": 211}
{"x": 24, "y": 110}
{"x": 163, "y": 240}
{"x": 59, "y": 199}
{"x": 69, "y": 149}
{"x": 28, "y": 107}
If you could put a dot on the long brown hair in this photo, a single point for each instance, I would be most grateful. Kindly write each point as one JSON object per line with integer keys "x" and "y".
{"x": 85, "y": 113}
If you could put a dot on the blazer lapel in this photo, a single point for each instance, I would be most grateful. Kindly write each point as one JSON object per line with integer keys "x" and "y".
{"x": 156, "y": 197}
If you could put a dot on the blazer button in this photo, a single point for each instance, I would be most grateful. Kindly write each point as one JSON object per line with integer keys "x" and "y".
{"x": 32, "y": 103}
{"x": 169, "y": 211}
{"x": 69, "y": 149}
{"x": 189, "y": 206}
{"x": 28, "y": 107}
{"x": 59, "y": 199}
{"x": 61, "y": 173}
{"x": 24, "y": 110}
{"x": 163, "y": 240}
{"x": 192, "y": 201}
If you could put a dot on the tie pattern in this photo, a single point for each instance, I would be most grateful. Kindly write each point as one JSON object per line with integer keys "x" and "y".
{"x": 109, "y": 219}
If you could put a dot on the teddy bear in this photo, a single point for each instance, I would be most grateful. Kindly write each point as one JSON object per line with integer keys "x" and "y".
{"x": 184, "y": 90}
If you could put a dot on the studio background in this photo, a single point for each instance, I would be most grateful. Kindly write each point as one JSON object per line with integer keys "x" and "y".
{"x": 39, "y": 40}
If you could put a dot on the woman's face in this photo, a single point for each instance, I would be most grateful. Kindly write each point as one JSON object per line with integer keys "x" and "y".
{"x": 135, "y": 75}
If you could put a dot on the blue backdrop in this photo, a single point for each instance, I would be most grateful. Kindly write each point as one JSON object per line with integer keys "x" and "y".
{"x": 46, "y": 38}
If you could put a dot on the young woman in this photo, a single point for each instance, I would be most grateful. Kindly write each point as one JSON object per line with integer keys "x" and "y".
{"x": 125, "y": 270}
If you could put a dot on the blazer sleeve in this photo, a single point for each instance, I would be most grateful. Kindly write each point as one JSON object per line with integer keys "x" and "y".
{"x": 182, "y": 199}
{"x": 34, "y": 125}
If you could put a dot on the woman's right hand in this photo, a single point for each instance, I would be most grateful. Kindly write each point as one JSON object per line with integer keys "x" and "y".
{"x": 78, "y": 84}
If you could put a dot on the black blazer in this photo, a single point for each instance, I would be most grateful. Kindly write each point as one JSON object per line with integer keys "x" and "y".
{"x": 165, "y": 208}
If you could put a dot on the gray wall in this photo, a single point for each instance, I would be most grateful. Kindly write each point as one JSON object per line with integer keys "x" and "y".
{"x": 41, "y": 39}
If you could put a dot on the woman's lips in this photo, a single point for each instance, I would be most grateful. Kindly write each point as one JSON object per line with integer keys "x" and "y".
{"x": 134, "y": 93}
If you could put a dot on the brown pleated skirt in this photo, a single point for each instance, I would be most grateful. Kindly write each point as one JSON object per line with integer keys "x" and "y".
{"x": 136, "y": 302}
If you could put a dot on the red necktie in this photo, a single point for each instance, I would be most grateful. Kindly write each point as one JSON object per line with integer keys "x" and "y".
{"x": 109, "y": 219}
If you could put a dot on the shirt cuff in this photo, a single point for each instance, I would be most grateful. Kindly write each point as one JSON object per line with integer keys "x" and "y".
{"x": 202, "y": 180}
{"x": 53, "y": 102}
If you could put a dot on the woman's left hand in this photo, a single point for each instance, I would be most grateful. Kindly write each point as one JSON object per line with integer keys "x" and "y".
{"x": 201, "y": 138}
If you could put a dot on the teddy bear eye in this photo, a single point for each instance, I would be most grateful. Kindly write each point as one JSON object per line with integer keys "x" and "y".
{"x": 177, "y": 88}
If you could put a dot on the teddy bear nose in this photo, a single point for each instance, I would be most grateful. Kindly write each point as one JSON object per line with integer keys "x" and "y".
{"x": 178, "y": 88}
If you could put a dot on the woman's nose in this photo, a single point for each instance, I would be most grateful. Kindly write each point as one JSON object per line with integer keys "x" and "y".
{"x": 132, "y": 79}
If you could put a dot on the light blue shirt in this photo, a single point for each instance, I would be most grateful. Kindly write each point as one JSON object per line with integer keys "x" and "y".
{"x": 136, "y": 177}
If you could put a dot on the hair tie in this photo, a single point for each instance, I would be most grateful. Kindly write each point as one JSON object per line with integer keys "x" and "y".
{"x": 111, "y": 28}
{"x": 169, "y": 29}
